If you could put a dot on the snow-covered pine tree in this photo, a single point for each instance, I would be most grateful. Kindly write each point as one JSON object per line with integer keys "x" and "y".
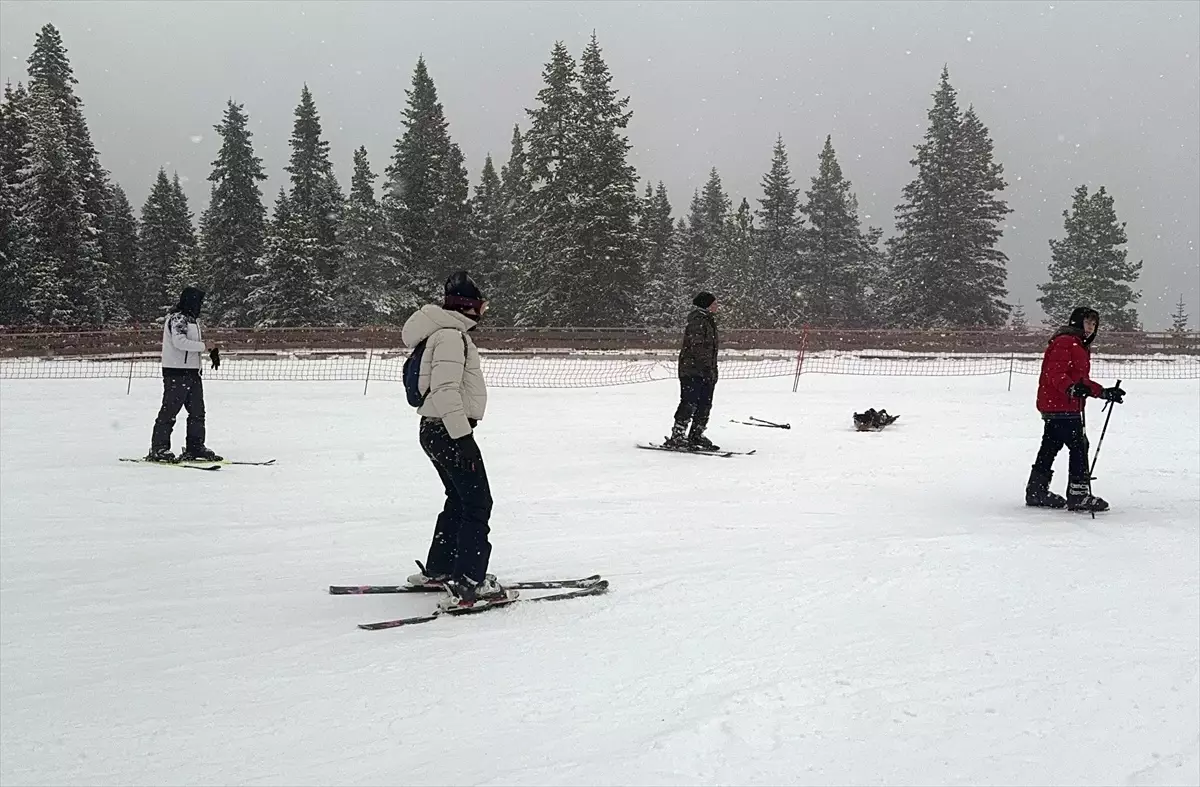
{"x": 14, "y": 234}
{"x": 945, "y": 269}
{"x": 606, "y": 213}
{"x": 782, "y": 282}
{"x": 121, "y": 234}
{"x": 508, "y": 299}
{"x": 1179, "y": 318}
{"x": 165, "y": 248}
{"x": 184, "y": 228}
{"x": 701, "y": 245}
{"x": 840, "y": 259}
{"x": 363, "y": 291}
{"x": 233, "y": 227}
{"x": 662, "y": 304}
{"x": 287, "y": 291}
{"x": 421, "y": 196}
{"x": 50, "y": 72}
{"x": 1019, "y": 323}
{"x": 546, "y": 226}
{"x": 743, "y": 296}
{"x": 487, "y": 231}
{"x": 315, "y": 200}
{"x": 62, "y": 286}
{"x": 1089, "y": 265}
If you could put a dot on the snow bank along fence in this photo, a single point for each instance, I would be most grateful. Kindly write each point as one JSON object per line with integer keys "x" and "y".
{"x": 589, "y": 357}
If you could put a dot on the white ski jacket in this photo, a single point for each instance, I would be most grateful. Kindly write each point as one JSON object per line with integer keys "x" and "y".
{"x": 181, "y": 345}
{"x": 450, "y": 369}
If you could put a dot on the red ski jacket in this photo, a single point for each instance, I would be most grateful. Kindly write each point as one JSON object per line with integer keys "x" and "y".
{"x": 1066, "y": 361}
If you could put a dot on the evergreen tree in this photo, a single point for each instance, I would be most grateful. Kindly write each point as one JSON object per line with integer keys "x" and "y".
{"x": 425, "y": 196}
{"x": 62, "y": 284}
{"x": 14, "y": 234}
{"x": 166, "y": 245}
{"x": 363, "y": 294}
{"x": 316, "y": 199}
{"x": 50, "y": 74}
{"x": 121, "y": 233}
{"x": 945, "y": 269}
{"x": 662, "y": 304}
{"x": 505, "y": 289}
{"x": 606, "y": 213}
{"x": 839, "y": 256}
{"x": 546, "y": 224}
{"x": 707, "y": 218}
{"x": 780, "y": 274}
{"x": 1088, "y": 266}
{"x": 1179, "y": 319}
{"x": 742, "y": 293}
{"x": 233, "y": 227}
{"x": 287, "y": 291}
{"x": 1019, "y": 323}
{"x": 487, "y": 221}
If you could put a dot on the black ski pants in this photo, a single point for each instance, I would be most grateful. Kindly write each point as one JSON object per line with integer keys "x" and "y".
{"x": 182, "y": 388}
{"x": 1064, "y": 431}
{"x": 695, "y": 402}
{"x": 460, "y": 545}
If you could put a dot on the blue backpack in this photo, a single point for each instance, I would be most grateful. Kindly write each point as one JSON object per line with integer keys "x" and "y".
{"x": 412, "y": 375}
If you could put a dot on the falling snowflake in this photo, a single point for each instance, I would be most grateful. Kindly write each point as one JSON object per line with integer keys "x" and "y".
{"x": 196, "y": 138}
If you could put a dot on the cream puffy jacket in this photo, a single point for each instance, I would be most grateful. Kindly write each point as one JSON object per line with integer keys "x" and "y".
{"x": 450, "y": 370}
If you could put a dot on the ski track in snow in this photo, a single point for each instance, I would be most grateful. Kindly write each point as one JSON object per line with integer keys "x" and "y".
{"x": 843, "y": 607}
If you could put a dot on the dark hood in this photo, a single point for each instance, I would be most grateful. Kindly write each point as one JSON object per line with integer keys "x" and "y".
{"x": 1074, "y": 326}
{"x": 190, "y": 301}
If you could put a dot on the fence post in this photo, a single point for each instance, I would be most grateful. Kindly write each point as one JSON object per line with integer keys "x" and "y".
{"x": 129, "y": 383}
{"x": 800, "y": 359}
{"x": 368, "y": 378}
{"x": 1011, "y": 356}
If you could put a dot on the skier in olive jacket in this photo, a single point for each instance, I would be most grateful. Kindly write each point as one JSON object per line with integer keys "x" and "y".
{"x": 697, "y": 376}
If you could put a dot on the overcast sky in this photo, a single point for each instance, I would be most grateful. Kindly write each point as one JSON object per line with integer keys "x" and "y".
{"x": 1102, "y": 93}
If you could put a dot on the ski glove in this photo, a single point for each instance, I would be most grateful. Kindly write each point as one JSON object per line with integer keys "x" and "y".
{"x": 214, "y": 355}
{"x": 1079, "y": 390}
{"x": 466, "y": 452}
{"x": 1115, "y": 395}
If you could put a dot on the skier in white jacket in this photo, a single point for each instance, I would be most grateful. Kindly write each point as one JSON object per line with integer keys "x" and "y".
{"x": 182, "y": 385}
{"x": 455, "y": 400}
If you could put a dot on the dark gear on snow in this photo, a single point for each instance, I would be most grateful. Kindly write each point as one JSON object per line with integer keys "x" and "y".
{"x": 460, "y": 547}
{"x": 182, "y": 388}
{"x": 214, "y": 355}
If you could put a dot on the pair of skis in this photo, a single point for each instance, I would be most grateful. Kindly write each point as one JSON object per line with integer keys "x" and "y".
{"x": 199, "y": 465}
{"x": 570, "y": 588}
{"x": 760, "y": 422}
{"x": 723, "y": 454}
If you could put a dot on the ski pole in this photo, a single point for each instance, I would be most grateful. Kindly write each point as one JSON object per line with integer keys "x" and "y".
{"x": 1092, "y": 470}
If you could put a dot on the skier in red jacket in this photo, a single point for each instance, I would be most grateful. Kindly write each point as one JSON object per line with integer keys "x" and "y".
{"x": 1062, "y": 388}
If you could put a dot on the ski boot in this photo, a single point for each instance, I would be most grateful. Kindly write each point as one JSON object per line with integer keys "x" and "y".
{"x": 677, "y": 440}
{"x": 698, "y": 442}
{"x": 1080, "y": 497}
{"x": 161, "y": 455}
{"x": 464, "y": 593}
{"x": 425, "y": 579}
{"x": 200, "y": 454}
{"x": 1037, "y": 491}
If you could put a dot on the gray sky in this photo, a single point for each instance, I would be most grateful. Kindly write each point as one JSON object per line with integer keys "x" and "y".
{"x": 1103, "y": 93}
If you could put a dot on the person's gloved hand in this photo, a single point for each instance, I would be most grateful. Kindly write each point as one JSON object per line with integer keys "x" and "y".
{"x": 1080, "y": 390}
{"x": 1115, "y": 394}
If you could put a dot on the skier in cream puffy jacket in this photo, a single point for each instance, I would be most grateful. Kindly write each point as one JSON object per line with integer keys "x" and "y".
{"x": 182, "y": 385}
{"x": 455, "y": 401}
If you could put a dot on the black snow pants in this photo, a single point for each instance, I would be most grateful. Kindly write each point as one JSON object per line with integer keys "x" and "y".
{"x": 1060, "y": 431}
{"x": 182, "y": 388}
{"x": 695, "y": 403}
{"x": 460, "y": 546}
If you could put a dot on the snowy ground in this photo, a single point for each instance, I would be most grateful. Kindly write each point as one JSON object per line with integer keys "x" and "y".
{"x": 842, "y": 608}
